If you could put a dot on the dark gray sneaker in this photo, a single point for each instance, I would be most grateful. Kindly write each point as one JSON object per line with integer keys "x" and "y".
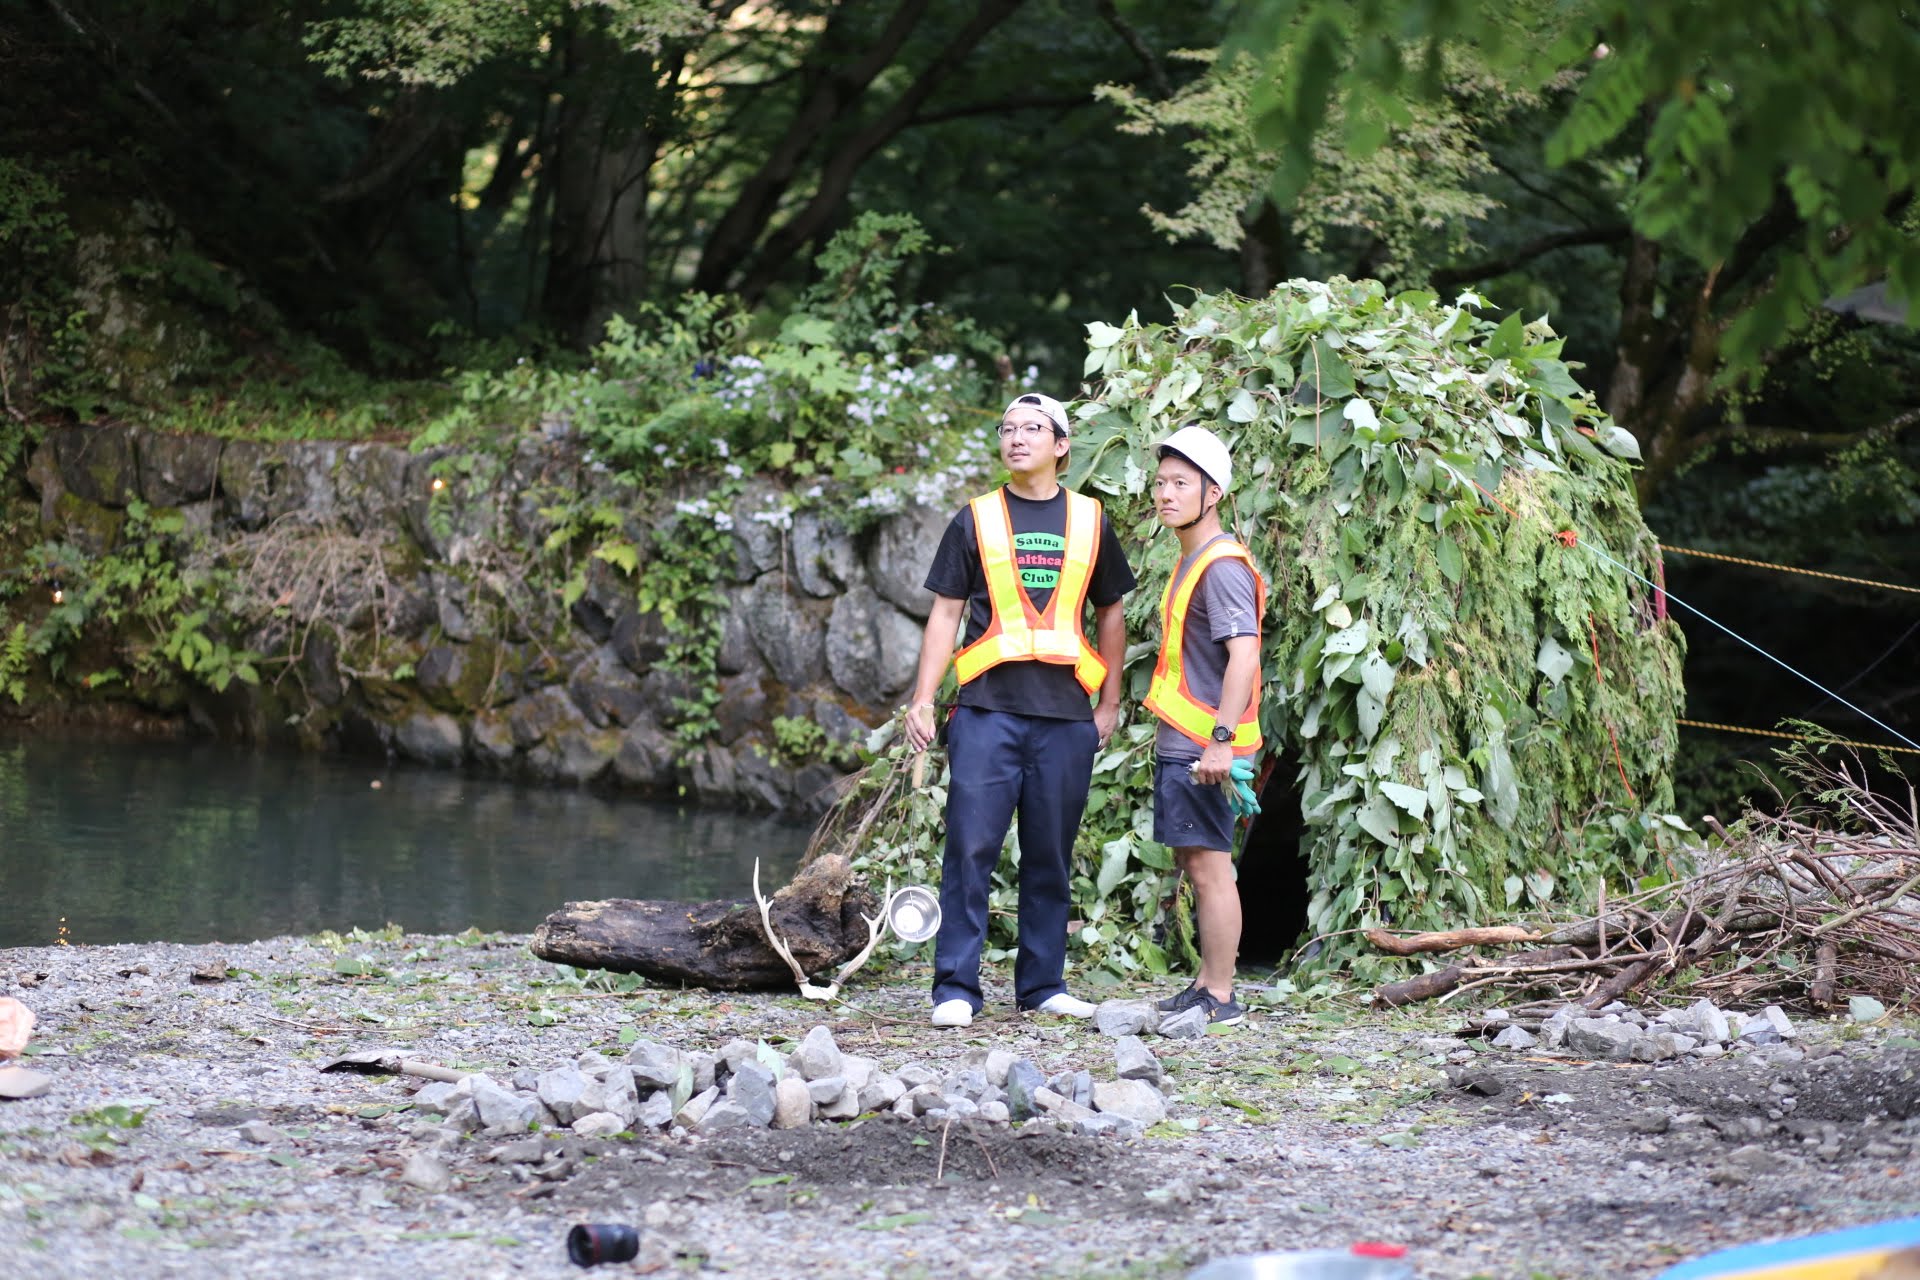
{"x": 1221, "y": 1013}
{"x": 1183, "y": 1000}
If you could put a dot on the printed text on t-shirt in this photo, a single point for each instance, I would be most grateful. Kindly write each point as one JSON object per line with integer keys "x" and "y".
{"x": 1039, "y": 556}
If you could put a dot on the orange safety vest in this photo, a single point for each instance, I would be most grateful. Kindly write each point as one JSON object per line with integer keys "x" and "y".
{"x": 1168, "y": 695}
{"x": 1018, "y": 632}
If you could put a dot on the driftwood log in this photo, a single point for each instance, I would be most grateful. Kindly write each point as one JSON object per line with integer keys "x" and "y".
{"x": 721, "y": 944}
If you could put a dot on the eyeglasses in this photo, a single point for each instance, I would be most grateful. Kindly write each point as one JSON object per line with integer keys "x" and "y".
{"x": 1031, "y": 430}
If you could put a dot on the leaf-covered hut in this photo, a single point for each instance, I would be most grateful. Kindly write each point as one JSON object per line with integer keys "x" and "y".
{"x": 1464, "y": 646}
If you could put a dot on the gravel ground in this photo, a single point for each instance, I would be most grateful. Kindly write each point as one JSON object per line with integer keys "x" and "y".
{"x": 1307, "y": 1127}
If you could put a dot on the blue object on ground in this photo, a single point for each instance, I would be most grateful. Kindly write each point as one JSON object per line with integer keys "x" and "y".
{"x": 1853, "y": 1254}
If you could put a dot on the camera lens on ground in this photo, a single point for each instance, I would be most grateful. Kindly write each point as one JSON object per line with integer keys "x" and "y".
{"x": 595, "y": 1242}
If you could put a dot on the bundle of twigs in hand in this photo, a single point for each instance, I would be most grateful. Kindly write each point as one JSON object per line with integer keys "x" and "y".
{"x": 1813, "y": 903}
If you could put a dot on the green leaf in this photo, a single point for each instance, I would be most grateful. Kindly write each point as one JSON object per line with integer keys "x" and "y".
{"x": 1411, "y": 799}
{"x": 1452, "y": 564}
{"x": 1553, "y": 660}
{"x": 1243, "y": 407}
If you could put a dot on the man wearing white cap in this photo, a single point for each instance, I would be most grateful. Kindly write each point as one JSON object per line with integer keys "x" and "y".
{"x": 1019, "y": 565}
{"x": 1206, "y": 692}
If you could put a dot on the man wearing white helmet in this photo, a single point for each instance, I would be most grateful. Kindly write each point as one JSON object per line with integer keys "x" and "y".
{"x": 1020, "y": 565}
{"x": 1206, "y": 692}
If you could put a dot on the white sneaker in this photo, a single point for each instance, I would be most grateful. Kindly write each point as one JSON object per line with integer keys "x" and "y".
{"x": 955, "y": 1013}
{"x": 1066, "y": 1006}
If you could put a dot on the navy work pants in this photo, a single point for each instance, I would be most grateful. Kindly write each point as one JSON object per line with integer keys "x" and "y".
{"x": 1002, "y": 764}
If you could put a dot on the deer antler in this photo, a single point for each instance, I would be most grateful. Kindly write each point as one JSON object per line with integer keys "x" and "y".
{"x": 807, "y": 989}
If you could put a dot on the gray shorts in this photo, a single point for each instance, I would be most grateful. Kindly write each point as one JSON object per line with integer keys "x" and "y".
{"x": 1188, "y": 814}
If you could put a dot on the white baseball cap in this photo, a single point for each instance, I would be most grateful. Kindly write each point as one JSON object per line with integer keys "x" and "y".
{"x": 1204, "y": 450}
{"x": 1055, "y": 411}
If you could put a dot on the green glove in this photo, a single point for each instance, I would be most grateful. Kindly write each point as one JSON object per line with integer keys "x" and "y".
{"x": 1245, "y": 803}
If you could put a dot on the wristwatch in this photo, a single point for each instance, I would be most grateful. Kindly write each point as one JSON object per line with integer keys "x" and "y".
{"x": 1222, "y": 734}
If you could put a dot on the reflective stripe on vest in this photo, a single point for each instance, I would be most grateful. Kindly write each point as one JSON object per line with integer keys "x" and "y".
{"x": 1168, "y": 696}
{"x": 1017, "y": 631}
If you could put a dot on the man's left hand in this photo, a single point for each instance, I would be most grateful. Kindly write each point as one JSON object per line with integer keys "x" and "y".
{"x": 1215, "y": 764}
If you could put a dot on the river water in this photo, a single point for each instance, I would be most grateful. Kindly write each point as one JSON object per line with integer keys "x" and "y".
{"x": 183, "y": 842}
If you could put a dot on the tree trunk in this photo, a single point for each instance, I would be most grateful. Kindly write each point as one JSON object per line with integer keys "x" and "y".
{"x": 719, "y": 945}
{"x": 602, "y": 155}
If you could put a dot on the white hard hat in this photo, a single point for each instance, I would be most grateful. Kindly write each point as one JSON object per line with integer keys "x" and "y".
{"x": 1204, "y": 450}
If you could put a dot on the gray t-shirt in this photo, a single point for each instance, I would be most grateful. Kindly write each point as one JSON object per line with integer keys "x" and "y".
{"x": 1224, "y": 605}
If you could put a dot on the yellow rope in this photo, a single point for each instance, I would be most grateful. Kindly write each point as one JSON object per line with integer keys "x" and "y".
{"x": 1787, "y": 568}
{"x": 1792, "y": 737}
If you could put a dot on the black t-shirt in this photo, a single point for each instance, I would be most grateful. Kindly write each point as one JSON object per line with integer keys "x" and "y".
{"x": 1046, "y": 689}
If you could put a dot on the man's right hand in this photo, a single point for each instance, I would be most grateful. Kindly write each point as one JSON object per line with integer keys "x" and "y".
{"x": 920, "y": 725}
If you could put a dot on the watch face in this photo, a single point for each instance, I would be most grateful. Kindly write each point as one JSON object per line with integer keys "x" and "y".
{"x": 1221, "y": 734}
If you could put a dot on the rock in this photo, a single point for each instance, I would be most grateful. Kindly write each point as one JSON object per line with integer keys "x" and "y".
{"x": 970, "y": 1084}
{"x": 442, "y": 1096}
{"x": 1704, "y": 1021}
{"x": 1760, "y": 1033}
{"x": 656, "y": 1110}
{"x": 1123, "y": 1017}
{"x": 859, "y": 1072}
{"x": 1650, "y": 1121}
{"x": 599, "y": 1124}
{"x": 605, "y": 690}
{"x": 533, "y": 718}
{"x": 922, "y": 1099}
{"x": 1655, "y": 1046}
{"x": 996, "y": 1064}
{"x": 559, "y": 1091}
{"x": 1753, "y": 1159}
{"x": 915, "y": 1074}
{"x": 574, "y": 756}
{"x": 871, "y": 647}
{"x": 728, "y": 1114}
{"x": 818, "y": 1057}
{"x": 431, "y": 738}
{"x": 882, "y": 1093}
{"x": 903, "y": 547}
{"x": 1136, "y": 1100}
{"x": 752, "y": 1088}
{"x": 20, "y": 1083}
{"x": 614, "y": 1093}
{"x": 463, "y": 1117}
{"x": 1188, "y": 1024}
{"x": 827, "y": 1090}
{"x": 844, "y": 1107}
{"x": 525, "y": 1151}
{"x": 655, "y": 1066}
{"x": 995, "y": 1112}
{"x": 504, "y": 1112}
{"x": 696, "y": 1108}
{"x": 1607, "y": 1039}
{"x": 1776, "y": 1018}
{"x": 97, "y": 462}
{"x": 427, "y": 1173}
{"x": 789, "y": 630}
{"x": 1077, "y": 1085}
{"x": 1024, "y": 1082}
{"x": 646, "y": 756}
{"x": 1515, "y": 1038}
{"x": 259, "y": 1131}
{"x": 792, "y": 1104}
{"x": 1553, "y": 1031}
{"x": 176, "y": 470}
{"x": 824, "y": 561}
{"x": 1132, "y": 1060}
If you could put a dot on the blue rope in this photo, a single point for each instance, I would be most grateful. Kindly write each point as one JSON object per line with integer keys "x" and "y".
{"x": 1750, "y": 644}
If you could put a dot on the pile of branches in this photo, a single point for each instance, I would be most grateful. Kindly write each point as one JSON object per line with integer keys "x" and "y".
{"x": 1811, "y": 904}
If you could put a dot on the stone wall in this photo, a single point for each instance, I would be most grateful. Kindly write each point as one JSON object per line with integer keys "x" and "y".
{"x": 445, "y": 639}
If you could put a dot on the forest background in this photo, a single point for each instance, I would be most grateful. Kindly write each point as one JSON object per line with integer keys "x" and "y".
{"x": 440, "y": 218}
